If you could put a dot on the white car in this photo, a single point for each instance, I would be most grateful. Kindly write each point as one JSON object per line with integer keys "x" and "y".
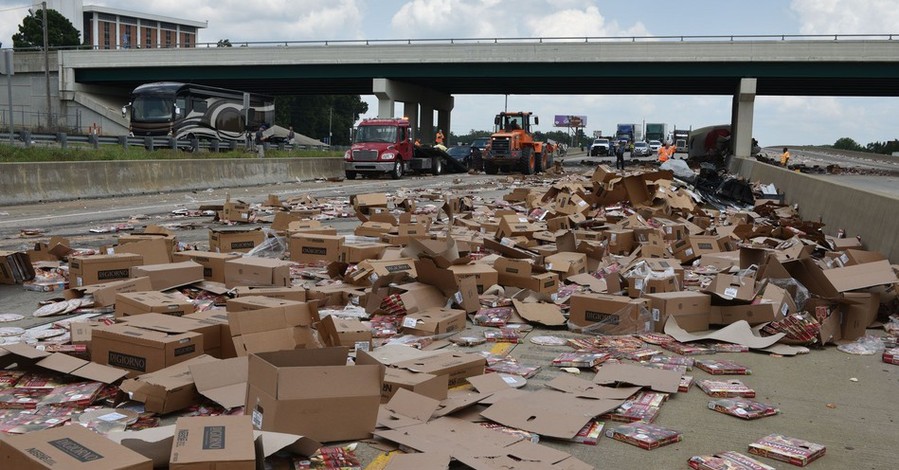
{"x": 655, "y": 145}
{"x": 641, "y": 149}
{"x": 600, "y": 147}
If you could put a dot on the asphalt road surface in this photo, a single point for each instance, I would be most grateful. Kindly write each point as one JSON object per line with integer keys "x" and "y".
{"x": 843, "y": 401}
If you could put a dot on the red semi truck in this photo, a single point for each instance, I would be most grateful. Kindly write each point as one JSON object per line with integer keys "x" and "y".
{"x": 385, "y": 146}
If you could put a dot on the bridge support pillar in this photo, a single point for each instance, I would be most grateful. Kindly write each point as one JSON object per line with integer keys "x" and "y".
{"x": 426, "y": 100}
{"x": 741, "y": 118}
{"x": 410, "y": 111}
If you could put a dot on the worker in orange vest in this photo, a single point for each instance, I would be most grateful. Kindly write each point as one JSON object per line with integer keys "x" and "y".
{"x": 440, "y": 137}
{"x": 664, "y": 153}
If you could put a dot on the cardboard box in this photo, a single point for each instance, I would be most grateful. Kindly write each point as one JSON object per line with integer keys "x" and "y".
{"x": 216, "y": 319}
{"x": 456, "y": 366}
{"x": 732, "y": 287}
{"x": 139, "y": 303}
{"x": 520, "y": 273}
{"x": 95, "y": 269}
{"x": 859, "y": 311}
{"x": 312, "y": 248}
{"x": 166, "y": 390}
{"x": 170, "y": 275}
{"x": 640, "y": 286}
{"x": 235, "y": 211}
{"x": 256, "y": 302}
{"x": 234, "y": 239}
{"x": 283, "y": 293}
{"x": 707, "y": 244}
{"x": 353, "y": 253}
{"x": 153, "y": 250}
{"x": 691, "y": 309}
{"x": 105, "y": 293}
{"x": 70, "y": 448}
{"x": 273, "y": 329}
{"x": 213, "y": 443}
{"x": 754, "y": 314}
{"x": 484, "y": 275}
{"x": 429, "y": 385}
{"x": 314, "y": 393}
{"x": 566, "y": 264}
{"x": 253, "y": 271}
{"x": 211, "y": 331}
{"x": 347, "y": 332}
{"x": 213, "y": 263}
{"x": 618, "y": 314}
{"x": 139, "y": 351}
{"x": 434, "y": 321}
{"x": 621, "y": 242}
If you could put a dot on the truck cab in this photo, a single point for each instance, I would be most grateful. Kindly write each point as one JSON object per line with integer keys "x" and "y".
{"x": 380, "y": 146}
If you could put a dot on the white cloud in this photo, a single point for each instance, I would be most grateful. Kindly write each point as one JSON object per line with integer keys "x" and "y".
{"x": 452, "y": 19}
{"x": 846, "y": 16}
{"x": 575, "y": 22}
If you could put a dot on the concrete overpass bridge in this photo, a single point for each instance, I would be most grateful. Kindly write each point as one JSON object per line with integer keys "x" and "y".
{"x": 424, "y": 75}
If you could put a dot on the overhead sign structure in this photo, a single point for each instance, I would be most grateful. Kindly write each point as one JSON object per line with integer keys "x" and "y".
{"x": 569, "y": 121}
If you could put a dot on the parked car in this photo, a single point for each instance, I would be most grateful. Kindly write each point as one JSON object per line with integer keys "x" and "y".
{"x": 655, "y": 145}
{"x": 641, "y": 149}
{"x": 600, "y": 147}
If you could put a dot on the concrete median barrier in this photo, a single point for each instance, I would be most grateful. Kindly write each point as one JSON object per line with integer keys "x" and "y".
{"x": 871, "y": 215}
{"x": 24, "y": 183}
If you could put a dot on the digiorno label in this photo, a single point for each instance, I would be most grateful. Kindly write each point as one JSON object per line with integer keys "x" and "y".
{"x": 127, "y": 361}
{"x": 114, "y": 274}
{"x": 75, "y": 450}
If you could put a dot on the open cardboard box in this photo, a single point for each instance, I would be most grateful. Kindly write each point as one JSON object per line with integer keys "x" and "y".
{"x": 166, "y": 390}
{"x": 314, "y": 393}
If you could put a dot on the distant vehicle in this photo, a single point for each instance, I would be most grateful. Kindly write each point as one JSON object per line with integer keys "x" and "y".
{"x": 656, "y": 131}
{"x": 655, "y": 145}
{"x": 641, "y": 149}
{"x": 680, "y": 145}
{"x": 187, "y": 111}
{"x": 461, "y": 153}
{"x": 480, "y": 143}
{"x": 600, "y": 147}
{"x": 626, "y": 132}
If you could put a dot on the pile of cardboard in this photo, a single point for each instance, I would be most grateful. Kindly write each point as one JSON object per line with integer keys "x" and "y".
{"x": 300, "y": 342}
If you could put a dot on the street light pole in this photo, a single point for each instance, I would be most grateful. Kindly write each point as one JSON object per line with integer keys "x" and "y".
{"x": 47, "y": 67}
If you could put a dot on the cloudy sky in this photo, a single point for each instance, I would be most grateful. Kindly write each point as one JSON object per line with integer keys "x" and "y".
{"x": 778, "y": 120}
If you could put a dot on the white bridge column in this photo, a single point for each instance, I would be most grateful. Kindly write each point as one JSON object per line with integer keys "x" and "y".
{"x": 741, "y": 119}
{"x": 389, "y": 92}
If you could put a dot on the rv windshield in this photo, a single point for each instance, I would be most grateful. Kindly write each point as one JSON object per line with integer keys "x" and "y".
{"x": 152, "y": 108}
{"x": 376, "y": 134}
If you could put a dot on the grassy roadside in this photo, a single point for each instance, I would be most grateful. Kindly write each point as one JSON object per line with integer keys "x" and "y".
{"x": 15, "y": 154}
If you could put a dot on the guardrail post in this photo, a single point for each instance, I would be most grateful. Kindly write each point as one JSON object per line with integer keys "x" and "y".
{"x": 94, "y": 140}
{"x": 194, "y": 144}
{"x": 149, "y": 144}
{"x": 233, "y": 145}
{"x": 26, "y": 137}
{"x": 280, "y": 145}
{"x": 62, "y": 139}
{"x": 173, "y": 144}
{"x": 123, "y": 141}
{"x": 214, "y": 145}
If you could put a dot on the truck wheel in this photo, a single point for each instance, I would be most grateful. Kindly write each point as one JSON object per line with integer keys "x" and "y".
{"x": 397, "y": 172}
{"x": 540, "y": 163}
{"x": 437, "y": 166}
{"x": 490, "y": 168}
{"x": 350, "y": 175}
{"x": 527, "y": 161}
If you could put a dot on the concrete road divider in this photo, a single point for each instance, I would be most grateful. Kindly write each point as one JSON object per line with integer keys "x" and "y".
{"x": 24, "y": 183}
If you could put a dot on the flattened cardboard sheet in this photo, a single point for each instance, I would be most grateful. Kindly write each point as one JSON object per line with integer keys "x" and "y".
{"x": 737, "y": 332}
{"x": 660, "y": 380}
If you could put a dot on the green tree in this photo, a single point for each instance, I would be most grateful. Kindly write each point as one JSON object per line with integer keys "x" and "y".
{"x": 60, "y": 31}
{"x": 846, "y": 143}
{"x": 317, "y": 115}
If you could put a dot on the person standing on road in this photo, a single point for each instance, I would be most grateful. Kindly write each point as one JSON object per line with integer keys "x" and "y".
{"x": 619, "y": 156}
{"x": 785, "y": 157}
{"x": 664, "y": 153}
{"x": 260, "y": 139}
{"x": 440, "y": 137}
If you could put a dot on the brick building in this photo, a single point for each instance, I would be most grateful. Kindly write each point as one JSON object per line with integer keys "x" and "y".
{"x": 113, "y": 28}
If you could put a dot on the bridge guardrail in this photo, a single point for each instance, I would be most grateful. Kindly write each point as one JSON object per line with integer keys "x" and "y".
{"x": 511, "y": 40}
{"x": 62, "y": 139}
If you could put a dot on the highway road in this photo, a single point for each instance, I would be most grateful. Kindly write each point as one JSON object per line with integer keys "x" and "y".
{"x": 843, "y": 401}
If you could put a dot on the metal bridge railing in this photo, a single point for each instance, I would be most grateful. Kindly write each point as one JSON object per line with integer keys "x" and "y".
{"x": 509, "y": 40}
{"x": 63, "y": 140}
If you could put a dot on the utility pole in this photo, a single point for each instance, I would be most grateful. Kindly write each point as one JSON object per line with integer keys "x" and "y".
{"x": 50, "y": 122}
{"x": 330, "y": 134}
